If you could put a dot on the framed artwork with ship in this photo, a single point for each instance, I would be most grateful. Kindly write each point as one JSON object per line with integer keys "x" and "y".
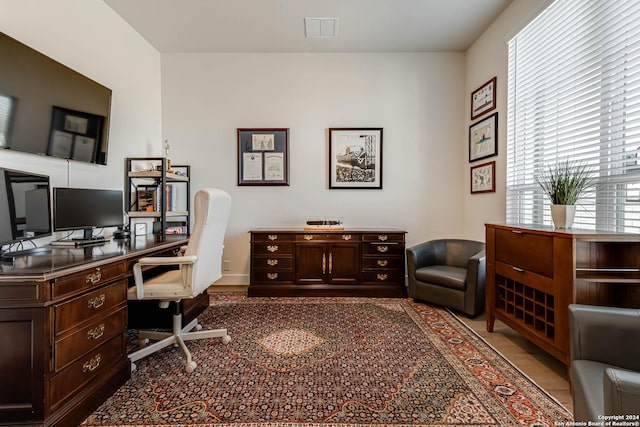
{"x": 355, "y": 158}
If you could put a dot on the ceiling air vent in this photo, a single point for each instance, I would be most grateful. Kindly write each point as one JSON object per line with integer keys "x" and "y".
{"x": 320, "y": 28}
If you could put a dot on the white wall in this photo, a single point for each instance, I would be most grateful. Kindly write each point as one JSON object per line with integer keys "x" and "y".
{"x": 416, "y": 98}
{"x": 486, "y": 58}
{"x": 87, "y": 36}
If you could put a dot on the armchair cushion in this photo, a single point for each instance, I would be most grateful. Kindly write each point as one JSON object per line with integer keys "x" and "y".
{"x": 443, "y": 275}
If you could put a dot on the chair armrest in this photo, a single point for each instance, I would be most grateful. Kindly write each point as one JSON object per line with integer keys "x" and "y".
{"x": 476, "y": 272}
{"x": 161, "y": 260}
{"x": 607, "y": 335}
{"x": 420, "y": 255}
{"x": 621, "y": 392}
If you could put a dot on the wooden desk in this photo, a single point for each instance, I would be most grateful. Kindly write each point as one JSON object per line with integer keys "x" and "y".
{"x": 352, "y": 262}
{"x": 535, "y": 272}
{"x": 63, "y": 323}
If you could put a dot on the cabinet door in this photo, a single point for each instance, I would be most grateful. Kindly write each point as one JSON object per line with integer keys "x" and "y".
{"x": 311, "y": 262}
{"x": 344, "y": 263}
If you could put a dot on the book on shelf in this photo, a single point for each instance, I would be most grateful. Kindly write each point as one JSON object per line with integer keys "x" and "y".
{"x": 180, "y": 229}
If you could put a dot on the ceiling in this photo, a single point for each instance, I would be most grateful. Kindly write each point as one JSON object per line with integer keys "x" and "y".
{"x": 278, "y": 25}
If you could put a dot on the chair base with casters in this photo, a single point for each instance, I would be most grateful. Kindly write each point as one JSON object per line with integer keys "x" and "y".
{"x": 177, "y": 337}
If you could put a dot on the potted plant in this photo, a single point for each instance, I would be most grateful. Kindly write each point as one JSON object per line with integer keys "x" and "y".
{"x": 564, "y": 183}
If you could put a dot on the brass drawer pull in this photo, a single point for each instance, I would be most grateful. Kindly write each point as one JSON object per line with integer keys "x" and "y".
{"x": 346, "y": 237}
{"x": 383, "y": 237}
{"x": 272, "y": 262}
{"x": 95, "y": 333}
{"x": 272, "y": 248}
{"x": 382, "y": 276}
{"x": 382, "y": 262}
{"x": 382, "y": 249}
{"x": 308, "y": 237}
{"x": 272, "y": 276}
{"x": 93, "y": 278}
{"x": 96, "y": 302}
{"x": 91, "y": 365}
{"x": 273, "y": 237}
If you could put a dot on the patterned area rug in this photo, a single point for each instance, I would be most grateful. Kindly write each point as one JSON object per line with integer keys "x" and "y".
{"x": 331, "y": 362}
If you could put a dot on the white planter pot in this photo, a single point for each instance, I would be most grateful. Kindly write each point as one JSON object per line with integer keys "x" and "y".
{"x": 563, "y": 215}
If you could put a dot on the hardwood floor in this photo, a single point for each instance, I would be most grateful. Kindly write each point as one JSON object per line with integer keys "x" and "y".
{"x": 545, "y": 370}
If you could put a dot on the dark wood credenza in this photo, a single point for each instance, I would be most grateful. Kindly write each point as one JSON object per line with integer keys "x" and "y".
{"x": 63, "y": 322}
{"x": 352, "y": 262}
{"x": 535, "y": 272}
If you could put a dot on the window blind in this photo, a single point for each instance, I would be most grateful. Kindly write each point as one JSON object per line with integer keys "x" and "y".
{"x": 574, "y": 94}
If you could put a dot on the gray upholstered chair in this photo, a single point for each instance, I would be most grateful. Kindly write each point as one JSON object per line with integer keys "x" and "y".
{"x": 448, "y": 272}
{"x": 198, "y": 268}
{"x": 605, "y": 361}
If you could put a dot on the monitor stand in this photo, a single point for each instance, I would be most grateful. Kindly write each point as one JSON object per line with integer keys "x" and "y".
{"x": 11, "y": 256}
{"x": 88, "y": 238}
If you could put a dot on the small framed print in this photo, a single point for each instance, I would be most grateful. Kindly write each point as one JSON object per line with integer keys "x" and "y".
{"x": 483, "y": 99}
{"x": 483, "y": 138}
{"x": 263, "y": 156}
{"x": 483, "y": 178}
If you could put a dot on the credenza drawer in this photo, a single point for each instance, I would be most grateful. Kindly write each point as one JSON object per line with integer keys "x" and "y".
{"x": 272, "y": 262}
{"x": 383, "y": 249}
{"x": 271, "y": 237}
{"x": 526, "y": 251}
{"x": 87, "y": 279}
{"x": 381, "y": 262}
{"x": 271, "y": 276}
{"x": 272, "y": 248}
{"x": 77, "y": 310}
{"x": 392, "y": 276}
{"x": 68, "y": 381}
{"x": 383, "y": 237}
{"x": 72, "y": 346}
{"x": 331, "y": 237}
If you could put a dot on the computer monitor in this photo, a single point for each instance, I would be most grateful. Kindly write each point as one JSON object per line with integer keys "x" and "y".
{"x": 86, "y": 209}
{"x": 25, "y": 211}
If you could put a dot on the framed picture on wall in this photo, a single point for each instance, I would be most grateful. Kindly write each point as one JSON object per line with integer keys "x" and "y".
{"x": 263, "y": 156}
{"x": 355, "y": 158}
{"x": 483, "y": 138}
{"x": 483, "y": 178}
{"x": 483, "y": 99}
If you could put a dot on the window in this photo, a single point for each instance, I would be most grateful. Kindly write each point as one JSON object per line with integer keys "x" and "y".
{"x": 574, "y": 93}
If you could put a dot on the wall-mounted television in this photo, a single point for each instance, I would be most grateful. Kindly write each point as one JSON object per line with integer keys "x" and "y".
{"x": 86, "y": 209}
{"x": 25, "y": 211}
{"x": 49, "y": 109}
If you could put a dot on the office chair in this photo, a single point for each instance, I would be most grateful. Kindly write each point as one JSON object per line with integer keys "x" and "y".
{"x": 199, "y": 267}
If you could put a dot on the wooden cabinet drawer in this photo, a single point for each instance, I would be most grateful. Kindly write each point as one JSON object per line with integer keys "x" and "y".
{"x": 331, "y": 237}
{"x": 87, "y": 279}
{"x": 72, "y": 346}
{"x": 381, "y": 262}
{"x": 383, "y": 249}
{"x": 392, "y": 276}
{"x": 272, "y": 248}
{"x": 271, "y": 276}
{"x": 68, "y": 381}
{"x": 271, "y": 237}
{"x": 383, "y": 237}
{"x": 527, "y": 251}
{"x": 278, "y": 262}
{"x": 77, "y": 310}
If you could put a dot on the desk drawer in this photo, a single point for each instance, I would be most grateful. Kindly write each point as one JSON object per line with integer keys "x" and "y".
{"x": 87, "y": 279}
{"x": 89, "y": 337}
{"x": 527, "y": 251}
{"x": 70, "y": 380}
{"x": 71, "y": 313}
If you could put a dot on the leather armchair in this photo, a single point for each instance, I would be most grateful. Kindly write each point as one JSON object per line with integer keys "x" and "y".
{"x": 605, "y": 361}
{"x": 448, "y": 272}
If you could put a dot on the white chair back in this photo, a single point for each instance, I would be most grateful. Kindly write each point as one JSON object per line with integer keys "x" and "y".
{"x": 211, "y": 214}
